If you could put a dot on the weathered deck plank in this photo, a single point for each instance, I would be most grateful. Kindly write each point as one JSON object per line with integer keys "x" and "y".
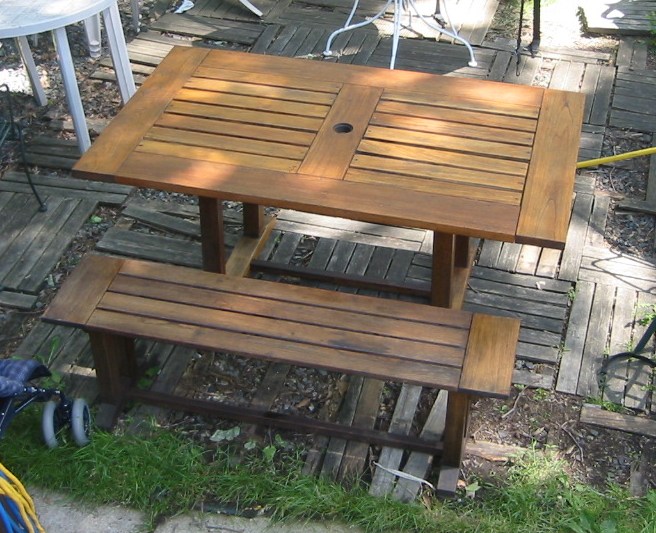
{"x": 613, "y": 17}
{"x": 596, "y": 343}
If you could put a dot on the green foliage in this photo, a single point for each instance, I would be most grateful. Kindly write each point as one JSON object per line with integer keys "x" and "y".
{"x": 648, "y": 314}
{"x": 652, "y": 27}
{"x": 165, "y": 473}
{"x": 55, "y": 380}
{"x": 608, "y": 406}
{"x": 541, "y": 394}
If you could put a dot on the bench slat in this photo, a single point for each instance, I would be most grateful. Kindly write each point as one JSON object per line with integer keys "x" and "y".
{"x": 311, "y": 336}
{"x": 432, "y": 375}
{"x": 79, "y": 296}
{"x": 302, "y": 313}
{"x": 188, "y": 277}
{"x": 487, "y": 366}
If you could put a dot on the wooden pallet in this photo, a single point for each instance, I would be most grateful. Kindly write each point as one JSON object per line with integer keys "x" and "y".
{"x": 604, "y": 320}
{"x": 648, "y": 205}
{"x": 612, "y": 17}
{"x": 632, "y": 53}
{"x": 634, "y": 100}
{"x": 32, "y": 240}
{"x": 429, "y": 56}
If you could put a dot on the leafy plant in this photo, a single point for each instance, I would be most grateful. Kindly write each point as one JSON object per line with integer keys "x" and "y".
{"x": 652, "y": 27}
{"x": 148, "y": 377}
{"x": 608, "y": 406}
{"x": 648, "y": 314}
{"x": 541, "y": 394}
{"x": 54, "y": 381}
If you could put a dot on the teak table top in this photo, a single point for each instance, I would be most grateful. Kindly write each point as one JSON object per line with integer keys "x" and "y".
{"x": 453, "y": 155}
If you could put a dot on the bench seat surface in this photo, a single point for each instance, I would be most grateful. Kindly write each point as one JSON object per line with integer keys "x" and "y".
{"x": 376, "y": 337}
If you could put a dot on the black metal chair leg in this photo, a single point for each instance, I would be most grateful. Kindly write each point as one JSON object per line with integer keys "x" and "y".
{"x": 12, "y": 128}
{"x": 42, "y": 205}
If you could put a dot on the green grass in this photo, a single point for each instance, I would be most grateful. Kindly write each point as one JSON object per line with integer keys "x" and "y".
{"x": 166, "y": 474}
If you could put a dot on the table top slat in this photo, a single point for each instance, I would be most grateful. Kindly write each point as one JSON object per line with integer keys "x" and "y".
{"x": 547, "y": 200}
{"x": 455, "y": 143}
{"x": 270, "y": 80}
{"x": 226, "y": 143}
{"x": 275, "y": 105}
{"x": 403, "y": 81}
{"x": 125, "y": 131}
{"x": 419, "y": 169}
{"x": 234, "y": 129}
{"x": 188, "y": 154}
{"x": 289, "y": 94}
{"x": 499, "y": 106}
{"x": 444, "y": 157}
{"x": 189, "y": 173}
{"x": 458, "y": 116}
{"x": 332, "y": 151}
{"x": 427, "y": 184}
{"x": 245, "y": 116}
{"x": 450, "y": 128}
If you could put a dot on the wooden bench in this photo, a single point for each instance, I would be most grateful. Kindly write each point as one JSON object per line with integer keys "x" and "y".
{"x": 118, "y": 300}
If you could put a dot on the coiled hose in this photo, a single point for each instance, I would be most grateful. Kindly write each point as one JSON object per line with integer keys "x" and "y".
{"x": 17, "y": 511}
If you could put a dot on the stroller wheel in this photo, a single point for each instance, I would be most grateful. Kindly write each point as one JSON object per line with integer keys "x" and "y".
{"x": 52, "y": 421}
{"x": 80, "y": 422}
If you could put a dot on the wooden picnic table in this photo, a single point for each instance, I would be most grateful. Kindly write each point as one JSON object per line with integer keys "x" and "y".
{"x": 459, "y": 157}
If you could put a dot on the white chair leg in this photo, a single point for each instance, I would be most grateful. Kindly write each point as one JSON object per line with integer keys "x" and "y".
{"x": 251, "y": 8}
{"x": 119, "y": 52}
{"x": 30, "y": 66}
{"x": 92, "y": 30}
{"x": 71, "y": 88}
{"x": 398, "y": 13}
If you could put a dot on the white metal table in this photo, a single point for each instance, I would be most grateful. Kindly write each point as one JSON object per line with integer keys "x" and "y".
{"x": 20, "y": 18}
{"x": 401, "y": 8}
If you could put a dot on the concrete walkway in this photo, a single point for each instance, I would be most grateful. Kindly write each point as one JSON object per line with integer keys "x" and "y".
{"x": 58, "y": 514}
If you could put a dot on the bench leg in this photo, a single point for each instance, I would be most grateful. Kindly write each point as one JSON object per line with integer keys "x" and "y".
{"x": 455, "y": 433}
{"x": 115, "y": 362}
{"x": 211, "y": 234}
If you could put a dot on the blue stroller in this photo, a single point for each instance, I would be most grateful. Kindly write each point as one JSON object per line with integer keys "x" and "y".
{"x": 16, "y": 393}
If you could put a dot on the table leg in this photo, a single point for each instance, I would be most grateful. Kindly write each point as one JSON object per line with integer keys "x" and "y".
{"x": 452, "y": 261}
{"x": 253, "y": 220}
{"x": 455, "y": 433}
{"x": 72, "y": 91}
{"x": 211, "y": 234}
{"x": 443, "y": 269}
{"x": 461, "y": 259}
